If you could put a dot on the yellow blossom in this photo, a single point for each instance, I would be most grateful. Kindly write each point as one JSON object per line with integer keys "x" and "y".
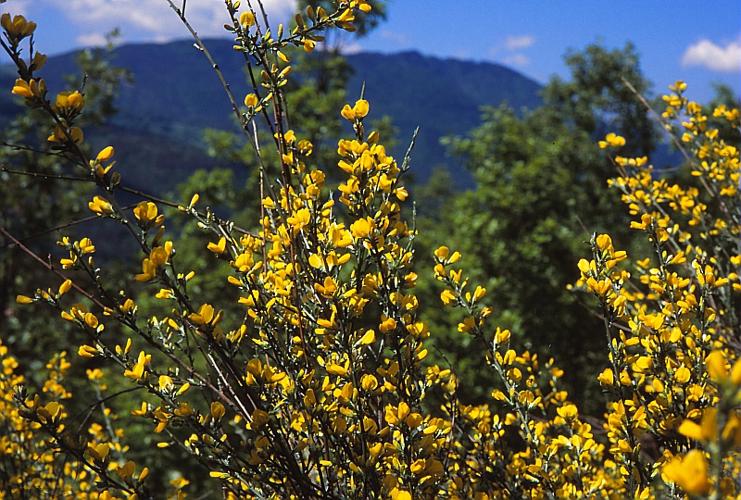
{"x": 690, "y": 472}
{"x": 100, "y": 206}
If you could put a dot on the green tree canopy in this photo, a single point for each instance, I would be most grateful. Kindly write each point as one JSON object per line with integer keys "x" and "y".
{"x": 541, "y": 189}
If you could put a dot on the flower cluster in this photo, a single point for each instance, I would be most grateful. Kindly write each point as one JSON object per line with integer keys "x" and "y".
{"x": 672, "y": 319}
{"x": 35, "y": 429}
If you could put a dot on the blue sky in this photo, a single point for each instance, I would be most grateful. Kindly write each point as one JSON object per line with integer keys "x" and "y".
{"x": 532, "y": 36}
{"x": 697, "y": 41}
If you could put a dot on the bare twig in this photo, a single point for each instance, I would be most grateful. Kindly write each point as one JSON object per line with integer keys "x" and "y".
{"x": 66, "y": 225}
{"x": 49, "y": 267}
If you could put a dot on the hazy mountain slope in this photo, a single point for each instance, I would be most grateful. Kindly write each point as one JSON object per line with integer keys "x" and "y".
{"x": 175, "y": 95}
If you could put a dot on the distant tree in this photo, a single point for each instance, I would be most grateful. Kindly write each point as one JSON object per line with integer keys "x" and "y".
{"x": 600, "y": 96}
{"x": 541, "y": 189}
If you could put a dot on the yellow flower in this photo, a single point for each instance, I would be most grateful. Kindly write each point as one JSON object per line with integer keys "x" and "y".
{"x": 217, "y": 410}
{"x": 106, "y": 153}
{"x": 356, "y": 112}
{"x": 682, "y": 375}
{"x": 217, "y": 248}
{"x": 361, "y": 108}
{"x": 309, "y": 44}
{"x": 368, "y": 338}
{"x": 447, "y": 296}
{"x": 179, "y": 483}
{"x": 315, "y": 261}
{"x": 736, "y": 373}
{"x": 612, "y": 140}
{"x": 364, "y": 6}
{"x": 361, "y": 228}
{"x": 60, "y": 134}
{"x": 17, "y": 26}
{"x": 165, "y": 382}
{"x": 369, "y": 382}
{"x": 387, "y": 325}
{"x": 23, "y": 299}
{"x": 193, "y": 200}
{"x": 705, "y": 431}
{"x": 299, "y": 219}
{"x": 690, "y": 473}
{"x": 346, "y": 16}
{"x": 205, "y": 316}
{"x": 397, "y": 494}
{"x": 86, "y": 246}
{"x": 335, "y": 369}
{"x": 22, "y": 88}
{"x": 247, "y": 19}
{"x": 86, "y": 351}
{"x": 606, "y": 377}
{"x": 65, "y": 287}
{"x": 347, "y": 113}
{"x": 90, "y": 320}
{"x": 149, "y": 271}
{"x": 604, "y": 242}
{"x": 99, "y": 451}
{"x": 251, "y": 100}
{"x": 716, "y": 365}
{"x": 137, "y": 371}
{"x": 442, "y": 253}
{"x": 145, "y": 212}
{"x": 70, "y": 102}
{"x": 100, "y": 206}
{"x": 567, "y": 411}
{"x": 479, "y": 293}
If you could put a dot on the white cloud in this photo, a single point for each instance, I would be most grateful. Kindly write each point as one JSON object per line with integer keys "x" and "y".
{"x": 517, "y": 59}
{"x": 154, "y": 19}
{"x": 510, "y": 51}
{"x": 517, "y": 42}
{"x": 351, "y": 48}
{"x": 718, "y": 58}
{"x": 16, "y": 7}
{"x": 395, "y": 37}
{"x": 91, "y": 40}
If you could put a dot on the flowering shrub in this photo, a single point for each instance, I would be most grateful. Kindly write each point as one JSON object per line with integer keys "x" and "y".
{"x": 319, "y": 387}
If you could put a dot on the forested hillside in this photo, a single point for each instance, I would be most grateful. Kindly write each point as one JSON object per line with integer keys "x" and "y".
{"x": 159, "y": 115}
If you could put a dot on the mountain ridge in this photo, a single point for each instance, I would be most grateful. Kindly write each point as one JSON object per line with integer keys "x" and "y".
{"x": 441, "y": 95}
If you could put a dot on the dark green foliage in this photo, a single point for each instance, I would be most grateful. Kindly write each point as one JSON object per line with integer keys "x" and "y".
{"x": 597, "y": 99}
{"x": 541, "y": 190}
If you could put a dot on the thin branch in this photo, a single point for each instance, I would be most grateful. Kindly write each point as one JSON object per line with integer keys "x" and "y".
{"x": 405, "y": 164}
{"x": 126, "y": 189}
{"x": 49, "y": 267}
{"x": 23, "y": 147}
{"x": 91, "y": 407}
{"x": 39, "y": 175}
{"x": 657, "y": 116}
{"x": 66, "y": 225}
{"x": 214, "y": 65}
